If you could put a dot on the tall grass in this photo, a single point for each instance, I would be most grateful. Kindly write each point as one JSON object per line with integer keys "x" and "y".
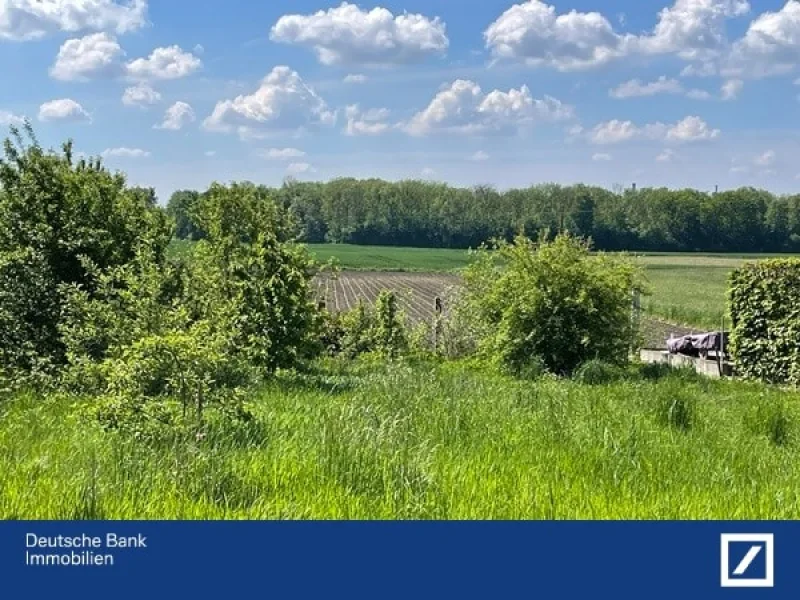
{"x": 432, "y": 442}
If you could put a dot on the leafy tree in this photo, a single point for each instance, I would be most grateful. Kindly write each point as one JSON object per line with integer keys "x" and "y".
{"x": 249, "y": 274}
{"x": 61, "y": 222}
{"x": 179, "y": 208}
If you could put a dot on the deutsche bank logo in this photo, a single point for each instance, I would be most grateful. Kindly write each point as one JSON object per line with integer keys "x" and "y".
{"x": 747, "y": 560}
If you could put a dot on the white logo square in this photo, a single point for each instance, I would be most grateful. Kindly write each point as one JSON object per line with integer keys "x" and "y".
{"x": 761, "y": 548}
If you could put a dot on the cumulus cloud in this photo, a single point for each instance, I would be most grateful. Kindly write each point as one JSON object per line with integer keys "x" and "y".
{"x": 349, "y": 35}
{"x": 690, "y": 129}
{"x": 534, "y": 33}
{"x": 9, "y": 118}
{"x": 462, "y": 107}
{"x": 281, "y": 153}
{"x": 366, "y": 122}
{"x": 692, "y": 29}
{"x": 601, "y": 157}
{"x": 164, "y": 63}
{"x": 124, "y": 152}
{"x": 63, "y": 109}
{"x": 95, "y": 55}
{"x": 355, "y": 78}
{"x": 283, "y": 102}
{"x": 177, "y": 116}
{"x": 770, "y": 46}
{"x": 141, "y": 95}
{"x": 22, "y": 20}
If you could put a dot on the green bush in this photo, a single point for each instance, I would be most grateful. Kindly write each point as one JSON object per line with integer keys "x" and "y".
{"x": 379, "y": 329}
{"x": 764, "y": 301}
{"x": 552, "y": 300}
{"x": 61, "y": 223}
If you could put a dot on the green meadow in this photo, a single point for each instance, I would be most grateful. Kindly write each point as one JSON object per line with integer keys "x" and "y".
{"x": 418, "y": 440}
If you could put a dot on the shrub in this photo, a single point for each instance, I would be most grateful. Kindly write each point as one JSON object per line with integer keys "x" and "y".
{"x": 61, "y": 222}
{"x": 379, "y": 329}
{"x": 553, "y": 300}
{"x": 389, "y": 333}
{"x": 765, "y": 311}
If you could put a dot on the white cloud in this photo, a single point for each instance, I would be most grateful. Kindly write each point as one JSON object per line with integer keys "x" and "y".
{"x": 125, "y": 153}
{"x": 9, "y": 118}
{"x": 601, "y": 157}
{"x": 22, "y": 20}
{"x": 766, "y": 159}
{"x": 667, "y": 155}
{"x": 613, "y": 132}
{"x": 462, "y": 107}
{"x": 692, "y": 29}
{"x": 63, "y": 109}
{"x": 198, "y": 49}
{"x": 635, "y": 88}
{"x": 349, "y": 35}
{"x": 297, "y": 168}
{"x": 534, "y": 33}
{"x": 281, "y": 153}
{"x": 95, "y": 55}
{"x": 164, "y": 63}
{"x": 731, "y": 89}
{"x": 140, "y": 95}
{"x": 369, "y": 122}
{"x": 428, "y": 173}
{"x": 283, "y": 102}
{"x": 177, "y": 116}
{"x": 690, "y": 129}
{"x": 770, "y": 46}
{"x": 355, "y": 78}
{"x": 479, "y": 156}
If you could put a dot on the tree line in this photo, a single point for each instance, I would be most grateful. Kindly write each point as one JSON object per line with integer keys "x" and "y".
{"x": 437, "y": 215}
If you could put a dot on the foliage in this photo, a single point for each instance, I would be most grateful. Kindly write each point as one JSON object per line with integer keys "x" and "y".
{"x": 436, "y": 215}
{"x": 61, "y": 222}
{"x": 378, "y": 329}
{"x": 765, "y": 311}
{"x": 249, "y": 273}
{"x": 552, "y": 300}
{"x": 180, "y": 207}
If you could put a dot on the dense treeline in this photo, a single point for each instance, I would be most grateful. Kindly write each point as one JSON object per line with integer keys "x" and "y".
{"x": 425, "y": 214}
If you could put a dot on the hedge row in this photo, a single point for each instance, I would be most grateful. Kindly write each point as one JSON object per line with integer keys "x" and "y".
{"x": 765, "y": 309}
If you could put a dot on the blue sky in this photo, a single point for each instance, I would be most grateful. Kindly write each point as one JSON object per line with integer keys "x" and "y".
{"x": 179, "y": 94}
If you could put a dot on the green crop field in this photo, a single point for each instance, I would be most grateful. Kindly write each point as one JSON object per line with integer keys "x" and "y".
{"x": 687, "y": 289}
{"x": 405, "y": 440}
